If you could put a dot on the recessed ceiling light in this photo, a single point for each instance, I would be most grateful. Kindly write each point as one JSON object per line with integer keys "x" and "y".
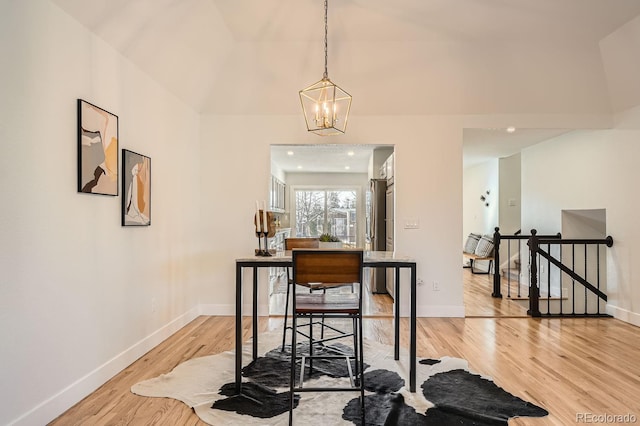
{"x": 347, "y": 167}
{"x": 511, "y": 129}
{"x": 351, "y": 153}
{"x": 289, "y": 152}
{"x": 299, "y": 167}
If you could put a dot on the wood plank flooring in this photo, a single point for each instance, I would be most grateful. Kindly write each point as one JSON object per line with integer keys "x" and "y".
{"x": 478, "y": 301}
{"x": 567, "y": 366}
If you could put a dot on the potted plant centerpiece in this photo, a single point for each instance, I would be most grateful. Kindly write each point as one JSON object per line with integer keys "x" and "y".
{"x": 330, "y": 241}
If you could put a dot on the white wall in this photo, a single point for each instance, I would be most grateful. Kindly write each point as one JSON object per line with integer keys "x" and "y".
{"x": 592, "y": 170}
{"x": 80, "y": 296}
{"x": 477, "y": 216}
{"x": 510, "y": 193}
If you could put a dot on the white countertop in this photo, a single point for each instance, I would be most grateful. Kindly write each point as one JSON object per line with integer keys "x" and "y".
{"x": 369, "y": 257}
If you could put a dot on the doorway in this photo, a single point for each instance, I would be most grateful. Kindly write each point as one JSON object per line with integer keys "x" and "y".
{"x": 325, "y": 192}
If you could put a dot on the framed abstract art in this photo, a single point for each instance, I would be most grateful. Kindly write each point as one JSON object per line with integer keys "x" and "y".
{"x": 97, "y": 150}
{"x": 136, "y": 189}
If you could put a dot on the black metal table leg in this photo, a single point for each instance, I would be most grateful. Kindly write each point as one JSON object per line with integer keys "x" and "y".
{"x": 412, "y": 331}
{"x": 255, "y": 313}
{"x": 396, "y": 308}
{"x": 238, "y": 328}
{"x": 238, "y": 375}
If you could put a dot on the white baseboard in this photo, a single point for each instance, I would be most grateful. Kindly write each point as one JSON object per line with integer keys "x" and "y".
{"x": 263, "y": 310}
{"x": 624, "y": 315}
{"x": 51, "y": 408}
{"x": 217, "y": 310}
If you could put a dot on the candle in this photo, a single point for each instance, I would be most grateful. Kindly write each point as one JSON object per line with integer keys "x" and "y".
{"x": 257, "y": 217}
{"x": 264, "y": 217}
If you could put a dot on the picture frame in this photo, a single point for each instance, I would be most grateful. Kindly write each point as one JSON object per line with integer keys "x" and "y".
{"x": 97, "y": 150}
{"x": 136, "y": 189}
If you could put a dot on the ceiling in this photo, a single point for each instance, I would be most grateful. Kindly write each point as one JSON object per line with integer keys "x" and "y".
{"x": 400, "y": 57}
{"x": 481, "y": 145}
{"x": 325, "y": 158}
{"x": 406, "y": 57}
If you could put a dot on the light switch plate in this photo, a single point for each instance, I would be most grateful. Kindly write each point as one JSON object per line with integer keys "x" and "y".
{"x": 412, "y": 224}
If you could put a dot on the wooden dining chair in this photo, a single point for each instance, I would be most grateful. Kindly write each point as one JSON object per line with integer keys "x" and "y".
{"x": 290, "y": 244}
{"x": 321, "y": 269}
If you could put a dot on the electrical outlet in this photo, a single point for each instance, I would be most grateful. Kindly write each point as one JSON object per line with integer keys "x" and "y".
{"x": 153, "y": 304}
{"x": 436, "y": 286}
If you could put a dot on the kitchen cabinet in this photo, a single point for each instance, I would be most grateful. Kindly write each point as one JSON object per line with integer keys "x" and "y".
{"x": 387, "y": 170}
{"x": 277, "y": 243}
{"x": 277, "y": 195}
{"x": 390, "y": 245}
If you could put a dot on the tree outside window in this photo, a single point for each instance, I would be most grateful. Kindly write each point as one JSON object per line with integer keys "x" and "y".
{"x": 326, "y": 211}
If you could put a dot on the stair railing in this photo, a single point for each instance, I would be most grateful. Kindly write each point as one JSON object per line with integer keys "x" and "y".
{"x": 497, "y": 240}
{"x": 592, "y": 294}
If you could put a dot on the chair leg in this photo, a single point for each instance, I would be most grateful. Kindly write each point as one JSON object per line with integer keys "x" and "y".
{"x": 311, "y": 345}
{"x": 361, "y": 360}
{"x": 355, "y": 349}
{"x": 322, "y": 322}
{"x": 292, "y": 378}
{"x": 286, "y": 310}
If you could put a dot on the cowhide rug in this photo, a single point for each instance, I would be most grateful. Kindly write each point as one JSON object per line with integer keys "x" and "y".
{"x": 448, "y": 394}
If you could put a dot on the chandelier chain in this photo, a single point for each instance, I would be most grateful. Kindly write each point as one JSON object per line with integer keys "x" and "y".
{"x": 326, "y": 48}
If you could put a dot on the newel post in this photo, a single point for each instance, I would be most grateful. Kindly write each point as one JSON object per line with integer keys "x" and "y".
{"x": 496, "y": 264}
{"x": 534, "y": 291}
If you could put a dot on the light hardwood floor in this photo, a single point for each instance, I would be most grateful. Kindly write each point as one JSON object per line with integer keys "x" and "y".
{"x": 567, "y": 366}
{"x": 478, "y": 301}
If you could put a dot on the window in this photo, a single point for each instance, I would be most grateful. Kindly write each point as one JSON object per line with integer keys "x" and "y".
{"x": 320, "y": 211}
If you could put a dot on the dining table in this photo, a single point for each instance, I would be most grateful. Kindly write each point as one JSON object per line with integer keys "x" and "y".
{"x": 372, "y": 259}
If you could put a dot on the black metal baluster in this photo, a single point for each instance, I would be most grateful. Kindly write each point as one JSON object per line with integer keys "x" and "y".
{"x": 573, "y": 280}
{"x": 509, "y": 269}
{"x": 548, "y": 280}
{"x": 534, "y": 308}
{"x": 598, "y": 273}
{"x": 585, "y": 278}
{"x": 497, "y": 284}
{"x": 561, "y": 281}
{"x": 519, "y": 263}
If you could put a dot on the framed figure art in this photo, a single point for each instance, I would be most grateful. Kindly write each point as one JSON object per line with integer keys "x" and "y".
{"x": 97, "y": 150}
{"x": 136, "y": 189}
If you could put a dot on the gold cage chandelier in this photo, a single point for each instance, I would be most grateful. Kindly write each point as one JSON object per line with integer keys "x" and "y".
{"x": 325, "y": 105}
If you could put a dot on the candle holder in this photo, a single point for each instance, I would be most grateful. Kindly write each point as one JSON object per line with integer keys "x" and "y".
{"x": 259, "y": 252}
{"x": 263, "y": 252}
{"x": 266, "y": 245}
{"x": 262, "y": 221}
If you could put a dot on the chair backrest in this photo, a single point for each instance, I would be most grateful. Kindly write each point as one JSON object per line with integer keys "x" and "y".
{"x": 292, "y": 243}
{"x": 327, "y": 266}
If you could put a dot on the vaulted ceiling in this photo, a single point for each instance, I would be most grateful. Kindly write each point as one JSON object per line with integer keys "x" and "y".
{"x": 394, "y": 57}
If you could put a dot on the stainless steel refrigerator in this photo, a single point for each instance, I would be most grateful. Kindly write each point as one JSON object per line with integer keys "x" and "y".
{"x": 376, "y": 229}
